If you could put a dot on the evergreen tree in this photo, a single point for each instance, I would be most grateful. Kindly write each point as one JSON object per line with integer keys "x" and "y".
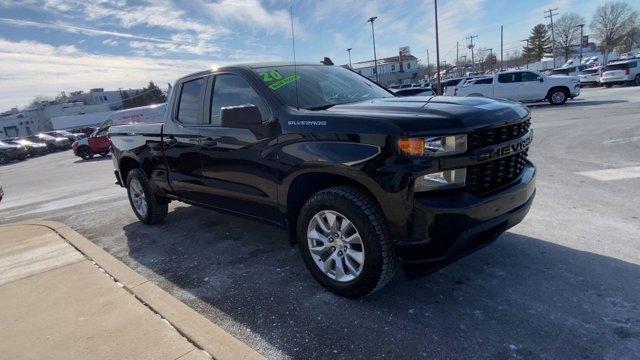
{"x": 539, "y": 43}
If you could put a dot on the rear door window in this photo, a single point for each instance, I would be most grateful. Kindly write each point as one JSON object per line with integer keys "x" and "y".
{"x": 190, "y": 104}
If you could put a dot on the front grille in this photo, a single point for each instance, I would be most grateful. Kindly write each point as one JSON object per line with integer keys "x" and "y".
{"x": 486, "y": 137}
{"x": 493, "y": 175}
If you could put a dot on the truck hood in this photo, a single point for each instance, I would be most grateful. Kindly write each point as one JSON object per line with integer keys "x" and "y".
{"x": 422, "y": 114}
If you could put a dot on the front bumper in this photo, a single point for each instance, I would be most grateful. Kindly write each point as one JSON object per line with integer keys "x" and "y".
{"x": 448, "y": 227}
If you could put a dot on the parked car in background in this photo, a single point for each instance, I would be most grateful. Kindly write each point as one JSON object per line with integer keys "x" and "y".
{"x": 66, "y": 134}
{"x": 33, "y": 148}
{"x": 569, "y": 70}
{"x": 414, "y": 91}
{"x": 54, "y": 143}
{"x": 98, "y": 142}
{"x": 590, "y": 77}
{"x": 621, "y": 72}
{"x": 10, "y": 152}
{"x": 450, "y": 84}
{"x": 1, "y": 192}
{"x": 524, "y": 85}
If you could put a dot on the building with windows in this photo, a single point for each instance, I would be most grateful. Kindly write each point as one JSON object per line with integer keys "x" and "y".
{"x": 391, "y": 70}
{"x": 18, "y": 123}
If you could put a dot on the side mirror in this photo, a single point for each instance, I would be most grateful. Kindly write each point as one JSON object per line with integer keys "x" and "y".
{"x": 245, "y": 116}
{"x": 541, "y": 80}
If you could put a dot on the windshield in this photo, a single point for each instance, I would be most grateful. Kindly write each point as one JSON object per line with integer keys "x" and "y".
{"x": 45, "y": 137}
{"x": 622, "y": 66}
{"x": 319, "y": 86}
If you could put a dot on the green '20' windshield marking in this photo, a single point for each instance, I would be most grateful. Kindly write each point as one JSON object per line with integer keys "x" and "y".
{"x": 286, "y": 81}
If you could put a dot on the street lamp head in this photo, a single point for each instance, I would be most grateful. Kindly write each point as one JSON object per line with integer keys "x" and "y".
{"x": 372, "y": 19}
{"x": 349, "y": 49}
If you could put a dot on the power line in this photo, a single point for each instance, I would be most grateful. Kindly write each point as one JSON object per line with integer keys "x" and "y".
{"x": 550, "y": 13}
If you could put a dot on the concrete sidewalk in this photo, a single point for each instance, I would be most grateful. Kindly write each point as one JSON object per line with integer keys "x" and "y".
{"x": 59, "y": 303}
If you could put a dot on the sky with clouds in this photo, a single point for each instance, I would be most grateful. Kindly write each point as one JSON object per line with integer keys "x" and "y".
{"x": 48, "y": 46}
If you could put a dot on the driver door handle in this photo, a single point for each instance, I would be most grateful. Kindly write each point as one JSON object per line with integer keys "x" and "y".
{"x": 170, "y": 141}
{"x": 208, "y": 142}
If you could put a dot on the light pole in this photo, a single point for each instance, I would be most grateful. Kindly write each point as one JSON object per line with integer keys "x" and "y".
{"x": 527, "y": 52}
{"x": 581, "y": 26}
{"x": 428, "y": 70}
{"x": 375, "y": 58}
{"x": 349, "y": 51}
{"x": 438, "y": 89}
{"x": 491, "y": 57}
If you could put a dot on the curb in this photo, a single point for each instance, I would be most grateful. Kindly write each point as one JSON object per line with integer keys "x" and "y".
{"x": 196, "y": 328}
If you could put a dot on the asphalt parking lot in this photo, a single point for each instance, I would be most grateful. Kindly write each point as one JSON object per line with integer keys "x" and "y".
{"x": 564, "y": 284}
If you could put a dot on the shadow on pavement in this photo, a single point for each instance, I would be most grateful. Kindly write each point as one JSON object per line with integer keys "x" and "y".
{"x": 576, "y": 103}
{"x": 519, "y": 298}
{"x": 95, "y": 158}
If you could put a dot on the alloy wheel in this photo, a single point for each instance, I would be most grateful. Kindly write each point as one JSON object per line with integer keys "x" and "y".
{"x": 335, "y": 245}
{"x": 558, "y": 97}
{"x": 138, "y": 198}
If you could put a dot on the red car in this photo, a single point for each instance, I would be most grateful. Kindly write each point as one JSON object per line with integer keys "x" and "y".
{"x": 98, "y": 142}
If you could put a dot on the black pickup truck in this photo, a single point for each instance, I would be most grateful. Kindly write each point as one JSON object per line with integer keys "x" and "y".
{"x": 364, "y": 182}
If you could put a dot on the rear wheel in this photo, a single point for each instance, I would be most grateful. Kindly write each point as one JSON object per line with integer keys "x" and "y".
{"x": 558, "y": 96}
{"x": 148, "y": 207}
{"x": 608, "y": 85}
{"x": 345, "y": 243}
{"x": 3, "y": 159}
{"x": 636, "y": 82}
{"x": 85, "y": 152}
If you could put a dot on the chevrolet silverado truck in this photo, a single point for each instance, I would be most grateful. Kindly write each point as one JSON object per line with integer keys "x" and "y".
{"x": 522, "y": 85}
{"x": 364, "y": 182}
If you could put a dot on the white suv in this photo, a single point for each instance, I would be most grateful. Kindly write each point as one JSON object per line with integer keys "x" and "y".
{"x": 621, "y": 72}
{"x": 590, "y": 76}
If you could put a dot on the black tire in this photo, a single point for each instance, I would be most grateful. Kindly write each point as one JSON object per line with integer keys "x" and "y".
{"x": 558, "y": 96}
{"x": 3, "y": 159}
{"x": 380, "y": 263}
{"x": 608, "y": 85}
{"x": 85, "y": 152}
{"x": 636, "y": 82}
{"x": 157, "y": 207}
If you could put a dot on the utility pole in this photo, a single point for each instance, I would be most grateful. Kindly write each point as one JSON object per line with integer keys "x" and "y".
{"x": 491, "y": 57}
{"x": 527, "y": 54}
{"x": 438, "y": 90}
{"x": 375, "y": 58}
{"x": 501, "y": 47}
{"x": 471, "y": 46}
{"x": 349, "y": 51}
{"x": 428, "y": 69}
{"x": 457, "y": 50}
{"x": 549, "y": 15}
{"x": 581, "y": 26}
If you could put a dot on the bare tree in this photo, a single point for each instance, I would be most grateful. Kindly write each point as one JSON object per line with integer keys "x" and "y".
{"x": 567, "y": 32}
{"x": 612, "y": 23}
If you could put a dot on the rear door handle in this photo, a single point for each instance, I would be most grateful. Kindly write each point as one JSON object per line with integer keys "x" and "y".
{"x": 208, "y": 142}
{"x": 170, "y": 141}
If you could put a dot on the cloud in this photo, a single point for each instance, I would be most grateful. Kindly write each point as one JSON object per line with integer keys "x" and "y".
{"x": 251, "y": 13}
{"x": 32, "y": 68}
{"x": 77, "y": 29}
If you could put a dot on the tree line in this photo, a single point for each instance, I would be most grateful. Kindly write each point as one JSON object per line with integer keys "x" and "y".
{"x": 615, "y": 25}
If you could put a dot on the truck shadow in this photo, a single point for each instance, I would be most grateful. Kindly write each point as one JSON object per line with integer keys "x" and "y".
{"x": 93, "y": 159}
{"x": 575, "y": 103}
{"x": 522, "y": 297}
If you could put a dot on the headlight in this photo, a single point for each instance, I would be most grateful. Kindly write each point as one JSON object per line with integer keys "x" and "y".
{"x": 448, "y": 179}
{"x": 433, "y": 146}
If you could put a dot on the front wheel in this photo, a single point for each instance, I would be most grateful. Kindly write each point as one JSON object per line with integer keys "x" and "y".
{"x": 85, "y": 153}
{"x": 148, "y": 207}
{"x": 345, "y": 243}
{"x": 636, "y": 82}
{"x": 558, "y": 96}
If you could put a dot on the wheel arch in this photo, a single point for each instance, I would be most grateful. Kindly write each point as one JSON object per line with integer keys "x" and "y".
{"x": 303, "y": 185}
{"x": 561, "y": 87}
